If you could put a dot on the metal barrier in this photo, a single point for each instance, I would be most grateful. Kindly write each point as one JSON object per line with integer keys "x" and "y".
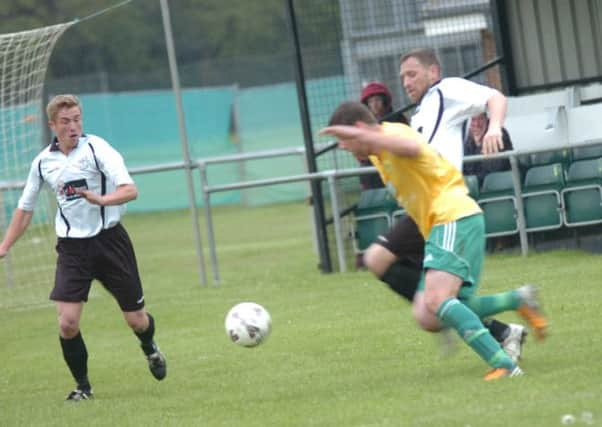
{"x": 331, "y": 176}
{"x": 202, "y": 165}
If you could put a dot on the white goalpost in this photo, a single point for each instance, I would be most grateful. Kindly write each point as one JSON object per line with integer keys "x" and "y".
{"x": 26, "y": 273}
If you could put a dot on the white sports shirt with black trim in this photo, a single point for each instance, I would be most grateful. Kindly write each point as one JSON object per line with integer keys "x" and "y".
{"x": 442, "y": 113}
{"x": 94, "y": 165}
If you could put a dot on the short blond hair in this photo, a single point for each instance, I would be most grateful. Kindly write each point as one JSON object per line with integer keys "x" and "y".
{"x": 61, "y": 101}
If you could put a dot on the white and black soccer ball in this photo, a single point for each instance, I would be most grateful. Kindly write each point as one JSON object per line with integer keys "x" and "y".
{"x": 248, "y": 324}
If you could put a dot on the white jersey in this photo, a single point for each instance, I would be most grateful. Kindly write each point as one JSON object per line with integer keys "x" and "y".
{"x": 93, "y": 165}
{"x": 442, "y": 113}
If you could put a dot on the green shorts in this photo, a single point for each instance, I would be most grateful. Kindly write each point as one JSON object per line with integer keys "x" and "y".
{"x": 458, "y": 248}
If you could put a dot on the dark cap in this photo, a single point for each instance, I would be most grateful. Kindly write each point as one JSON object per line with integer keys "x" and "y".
{"x": 376, "y": 88}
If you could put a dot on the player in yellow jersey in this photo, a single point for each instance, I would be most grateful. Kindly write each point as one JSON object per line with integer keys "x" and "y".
{"x": 433, "y": 193}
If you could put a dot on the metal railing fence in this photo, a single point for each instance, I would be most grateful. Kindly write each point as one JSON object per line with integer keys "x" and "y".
{"x": 331, "y": 176}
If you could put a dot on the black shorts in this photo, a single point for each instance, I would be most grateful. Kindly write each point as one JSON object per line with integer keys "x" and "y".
{"x": 405, "y": 241}
{"x": 108, "y": 257}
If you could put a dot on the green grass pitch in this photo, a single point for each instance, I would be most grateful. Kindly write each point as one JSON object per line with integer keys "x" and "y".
{"x": 344, "y": 350}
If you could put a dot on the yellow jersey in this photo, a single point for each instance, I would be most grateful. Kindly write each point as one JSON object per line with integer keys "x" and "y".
{"x": 428, "y": 187}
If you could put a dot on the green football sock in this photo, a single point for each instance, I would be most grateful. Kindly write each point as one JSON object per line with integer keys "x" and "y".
{"x": 456, "y": 315}
{"x": 488, "y": 305}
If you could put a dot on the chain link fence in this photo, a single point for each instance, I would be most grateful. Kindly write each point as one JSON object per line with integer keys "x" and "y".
{"x": 370, "y": 39}
{"x": 344, "y": 44}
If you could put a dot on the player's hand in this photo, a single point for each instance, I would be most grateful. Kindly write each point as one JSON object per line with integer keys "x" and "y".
{"x": 95, "y": 199}
{"x": 493, "y": 141}
{"x": 3, "y": 252}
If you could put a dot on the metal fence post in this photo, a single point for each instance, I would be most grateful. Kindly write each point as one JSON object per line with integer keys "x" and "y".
{"x": 338, "y": 233}
{"x": 520, "y": 218}
{"x": 209, "y": 220}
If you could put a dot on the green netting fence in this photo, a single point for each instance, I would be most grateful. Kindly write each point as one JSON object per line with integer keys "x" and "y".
{"x": 143, "y": 126}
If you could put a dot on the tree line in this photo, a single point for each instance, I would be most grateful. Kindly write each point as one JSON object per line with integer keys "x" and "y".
{"x": 129, "y": 39}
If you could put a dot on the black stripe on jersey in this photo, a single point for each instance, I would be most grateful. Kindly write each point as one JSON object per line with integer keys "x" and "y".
{"x": 103, "y": 184}
{"x": 439, "y": 115}
{"x": 66, "y": 222}
{"x": 40, "y": 171}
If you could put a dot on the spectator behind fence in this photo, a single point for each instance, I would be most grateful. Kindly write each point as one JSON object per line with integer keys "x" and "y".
{"x": 473, "y": 145}
{"x": 377, "y": 97}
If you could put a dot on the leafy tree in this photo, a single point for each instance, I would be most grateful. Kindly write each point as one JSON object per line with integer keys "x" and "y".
{"x": 130, "y": 39}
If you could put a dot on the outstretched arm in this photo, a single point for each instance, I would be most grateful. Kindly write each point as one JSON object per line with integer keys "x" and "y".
{"x": 364, "y": 140}
{"x": 16, "y": 228}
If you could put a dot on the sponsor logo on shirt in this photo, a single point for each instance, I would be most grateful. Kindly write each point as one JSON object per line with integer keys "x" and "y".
{"x": 69, "y": 189}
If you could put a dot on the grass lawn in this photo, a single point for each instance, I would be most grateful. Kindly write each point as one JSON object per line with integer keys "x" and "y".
{"x": 344, "y": 350}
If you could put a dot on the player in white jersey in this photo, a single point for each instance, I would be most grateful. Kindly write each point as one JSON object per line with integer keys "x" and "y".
{"x": 443, "y": 106}
{"x": 446, "y": 106}
{"x": 91, "y": 185}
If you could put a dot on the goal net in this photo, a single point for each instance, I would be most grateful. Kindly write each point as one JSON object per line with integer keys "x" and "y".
{"x": 26, "y": 273}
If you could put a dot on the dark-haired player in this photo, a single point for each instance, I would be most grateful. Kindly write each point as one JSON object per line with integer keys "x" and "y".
{"x": 433, "y": 193}
{"x": 443, "y": 106}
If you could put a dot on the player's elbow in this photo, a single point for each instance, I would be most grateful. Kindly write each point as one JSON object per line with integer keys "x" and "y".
{"x": 129, "y": 192}
{"x": 24, "y": 215}
{"x": 409, "y": 149}
{"x": 413, "y": 150}
{"x": 498, "y": 98}
{"x": 133, "y": 192}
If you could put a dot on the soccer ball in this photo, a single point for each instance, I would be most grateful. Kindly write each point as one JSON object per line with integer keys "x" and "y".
{"x": 248, "y": 324}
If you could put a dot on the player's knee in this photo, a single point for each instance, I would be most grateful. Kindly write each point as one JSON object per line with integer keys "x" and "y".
{"x": 377, "y": 259}
{"x": 369, "y": 260}
{"x": 421, "y": 314}
{"x": 429, "y": 325}
{"x": 432, "y": 301}
{"x": 425, "y": 320}
{"x": 137, "y": 320}
{"x": 68, "y": 326}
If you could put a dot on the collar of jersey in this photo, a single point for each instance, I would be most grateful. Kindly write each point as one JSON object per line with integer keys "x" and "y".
{"x": 425, "y": 93}
{"x": 54, "y": 145}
